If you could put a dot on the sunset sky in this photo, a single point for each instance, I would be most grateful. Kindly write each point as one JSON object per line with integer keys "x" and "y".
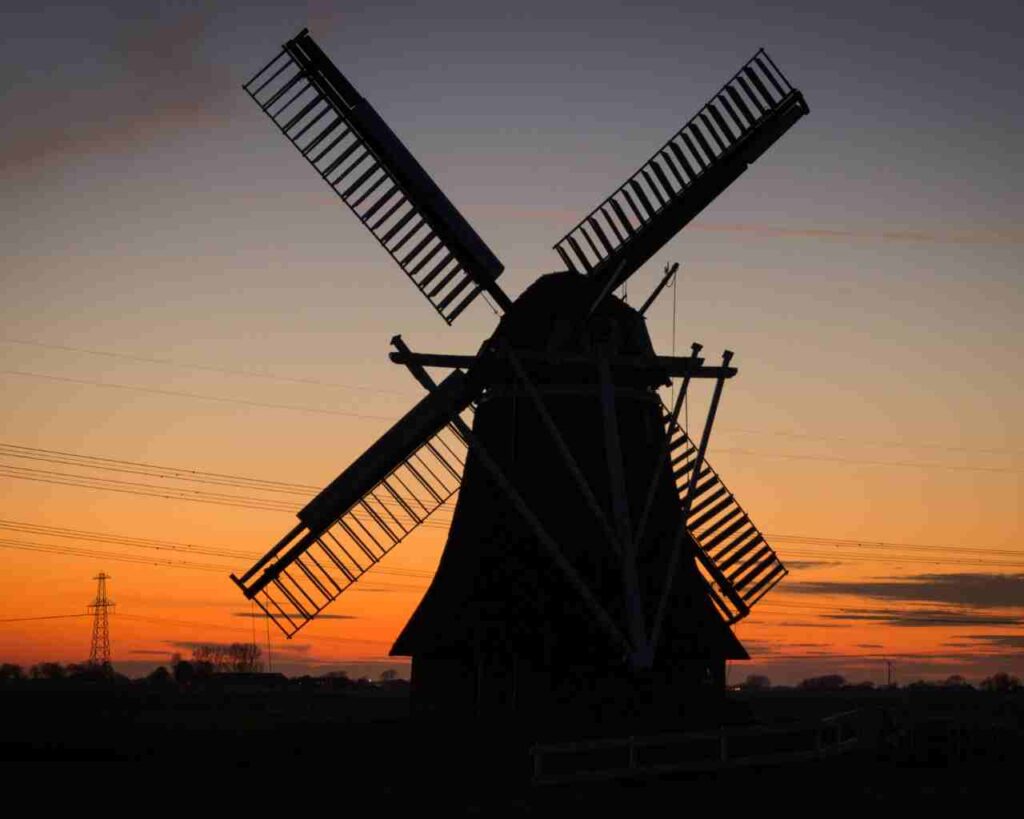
{"x": 181, "y": 292}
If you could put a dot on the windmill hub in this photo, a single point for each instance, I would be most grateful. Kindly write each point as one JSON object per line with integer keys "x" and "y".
{"x": 560, "y": 332}
{"x": 594, "y": 560}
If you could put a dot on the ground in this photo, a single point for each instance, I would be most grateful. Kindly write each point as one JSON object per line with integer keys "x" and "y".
{"x": 363, "y": 747}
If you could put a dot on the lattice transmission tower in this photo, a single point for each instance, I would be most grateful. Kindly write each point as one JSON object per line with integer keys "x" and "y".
{"x": 99, "y": 654}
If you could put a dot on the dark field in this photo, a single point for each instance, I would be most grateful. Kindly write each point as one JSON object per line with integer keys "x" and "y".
{"x": 361, "y": 746}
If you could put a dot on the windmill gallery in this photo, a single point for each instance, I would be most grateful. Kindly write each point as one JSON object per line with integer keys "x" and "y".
{"x": 595, "y": 561}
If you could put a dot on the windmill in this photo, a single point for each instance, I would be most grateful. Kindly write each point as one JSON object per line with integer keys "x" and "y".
{"x": 591, "y": 540}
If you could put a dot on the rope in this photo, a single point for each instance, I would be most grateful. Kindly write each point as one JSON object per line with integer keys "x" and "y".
{"x": 270, "y": 661}
{"x": 252, "y": 615}
{"x": 675, "y": 300}
{"x": 490, "y": 303}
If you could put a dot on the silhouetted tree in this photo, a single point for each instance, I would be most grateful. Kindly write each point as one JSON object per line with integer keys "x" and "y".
{"x": 956, "y": 681}
{"x": 212, "y": 655}
{"x": 1001, "y": 682}
{"x": 217, "y": 658}
{"x": 388, "y": 675}
{"x": 337, "y": 679}
{"x": 828, "y": 682}
{"x": 47, "y": 671}
{"x": 202, "y": 669}
{"x": 9, "y": 672}
{"x": 756, "y": 682}
{"x": 160, "y": 676}
{"x": 183, "y": 671}
{"x": 245, "y": 657}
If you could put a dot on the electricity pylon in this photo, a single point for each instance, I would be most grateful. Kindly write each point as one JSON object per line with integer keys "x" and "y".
{"x": 99, "y": 654}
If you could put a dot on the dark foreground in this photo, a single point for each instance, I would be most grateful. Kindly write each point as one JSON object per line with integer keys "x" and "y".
{"x": 360, "y": 747}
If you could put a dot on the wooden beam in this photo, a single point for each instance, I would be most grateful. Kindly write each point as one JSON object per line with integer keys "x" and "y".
{"x": 674, "y": 366}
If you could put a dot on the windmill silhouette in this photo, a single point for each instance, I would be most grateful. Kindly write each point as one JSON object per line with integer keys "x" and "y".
{"x": 592, "y": 546}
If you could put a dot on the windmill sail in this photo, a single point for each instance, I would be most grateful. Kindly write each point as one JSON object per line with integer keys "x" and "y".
{"x": 733, "y": 129}
{"x": 739, "y": 566}
{"x": 409, "y": 473}
{"x": 358, "y": 155}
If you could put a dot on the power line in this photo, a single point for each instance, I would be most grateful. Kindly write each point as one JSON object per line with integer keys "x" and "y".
{"x": 159, "y": 545}
{"x": 913, "y": 464}
{"x": 29, "y": 546}
{"x": 888, "y": 443}
{"x": 72, "y": 551}
{"x": 195, "y": 395}
{"x": 891, "y": 443}
{"x": 167, "y": 493}
{"x": 104, "y": 481}
{"x": 121, "y": 465}
{"x": 45, "y": 617}
{"x": 159, "y": 472}
{"x": 121, "y": 540}
{"x": 366, "y": 416}
{"x": 145, "y": 490}
{"x": 147, "y": 618}
{"x": 170, "y": 545}
{"x": 201, "y": 367}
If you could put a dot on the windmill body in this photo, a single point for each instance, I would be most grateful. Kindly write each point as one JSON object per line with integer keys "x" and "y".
{"x": 594, "y": 556}
{"x": 500, "y": 628}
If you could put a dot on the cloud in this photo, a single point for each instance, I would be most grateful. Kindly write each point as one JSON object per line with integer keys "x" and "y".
{"x": 976, "y": 590}
{"x": 933, "y": 235}
{"x": 152, "y": 81}
{"x": 997, "y": 640}
{"x": 960, "y": 237}
{"x": 811, "y": 564}
{"x": 797, "y": 624}
{"x": 927, "y": 618}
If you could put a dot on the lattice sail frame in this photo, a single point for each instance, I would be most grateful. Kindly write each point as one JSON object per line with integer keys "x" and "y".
{"x": 359, "y": 157}
{"x": 312, "y": 566}
{"x": 741, "y": 121}
{"x": 732, "y": 554}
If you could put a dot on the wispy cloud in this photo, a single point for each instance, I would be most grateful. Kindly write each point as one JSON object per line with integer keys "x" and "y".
{"x": 927, "y": 618}
{"x": 994, "y": 640}
{"x": 803, "y": 624}
{"x": 811, "y": 564}
{"x": 930, "y": 235}
{"x": 976, "y": 590}
{"x": 154, "y": 83}
{"x": 954, "y": 237}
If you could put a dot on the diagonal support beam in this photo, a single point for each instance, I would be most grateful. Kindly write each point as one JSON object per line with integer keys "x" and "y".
{"x": 563, "y": 448}
{"x": 670, "y": 272}
{"x": 683, "y": 531}
{"x": 641, "y": 656}
{"x": 600, "y": 614}
{"x": 608, "y": 287}
{"x": 659, "y": 465}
